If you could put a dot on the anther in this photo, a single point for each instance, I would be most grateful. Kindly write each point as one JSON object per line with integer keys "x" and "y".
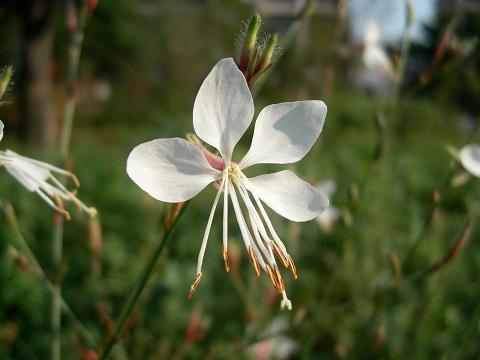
{"x": 254, "y": 261}
{"x": 292, "y": 268}
{"x": 279, "y": 253}
{"x": 74, "y": 179}
{"x": 225, "y": 258}
{"x": 279, "y": 278}
{"x": 276, "y": 285}
{"x": 60, "y": 208}
{"x": 194, "y": 285}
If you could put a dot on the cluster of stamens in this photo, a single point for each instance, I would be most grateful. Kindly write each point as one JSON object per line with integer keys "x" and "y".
{"x": 261, "y": 241}
{"x": 38, "y": 177}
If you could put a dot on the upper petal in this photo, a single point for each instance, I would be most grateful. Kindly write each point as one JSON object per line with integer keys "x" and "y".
{"x": 284, "y": 133}
{"x": 223, "y": 108}
{"x": 170, "y": 170}
{"x": 289, "y": 195}
{"x": 470, "y": 159}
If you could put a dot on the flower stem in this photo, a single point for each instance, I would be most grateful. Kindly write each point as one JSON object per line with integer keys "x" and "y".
{"x": 140, "y": 286}
{"x": 74, "y": 52}
{"x": 23, "y": 248}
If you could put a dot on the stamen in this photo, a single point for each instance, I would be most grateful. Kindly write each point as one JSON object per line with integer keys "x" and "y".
{"x": 238, "y": 214}
{"x": 279, "y": 253}
{"x": 74, "y": 179}
{"x": 225, "y": 227}
{"x": 65, "y": 213}
{"x": 194, "y": 285}
{"x": 279, "y": 277}
{"x": 276, "y": 238}
{"x": 257, "y": 225}
{"x": 201, "y": 254}
{"x": 293, "y": 268}
{"x": 254, "y": 261}
{"x": 225, "y": 258}
{"x": 276, "y": 285}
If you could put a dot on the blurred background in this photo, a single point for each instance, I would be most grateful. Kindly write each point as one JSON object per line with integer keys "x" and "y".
{"x": 390, "y": 274}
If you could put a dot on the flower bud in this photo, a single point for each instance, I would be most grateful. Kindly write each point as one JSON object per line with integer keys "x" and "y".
{"x": 5, "y": 76}
{"x": 268, "y": 52}
{"x": 249, "y": 41}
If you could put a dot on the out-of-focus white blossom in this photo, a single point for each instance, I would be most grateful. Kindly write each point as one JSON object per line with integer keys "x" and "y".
{"x": 374, "y": 55}
{"x": 331, "y": 214}
{"x": 277, "y": 345}
{"x": 470, "y": 159}
{"x": 38, "y": 177}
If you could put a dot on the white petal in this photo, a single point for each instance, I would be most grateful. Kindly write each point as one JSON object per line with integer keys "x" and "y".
{"x": 170, "y": 170}
{"x": 289, "y": 196}
{"x": 470, "y": 159}
{"x": 223, "y": 107}
{"x": 284, "y": 133}
{"x": 1, "y": 130}
{"x": 25, "y": 170}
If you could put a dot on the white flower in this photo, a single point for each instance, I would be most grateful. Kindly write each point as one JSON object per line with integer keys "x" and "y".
{"x": 331, "y": 214}
{"x": 37, "y": 176}
{"x": 374, "y": 56}
{"x": 276, "y": 345}
{"x": 470, "y": 159}
{"x": 174, "y": 170}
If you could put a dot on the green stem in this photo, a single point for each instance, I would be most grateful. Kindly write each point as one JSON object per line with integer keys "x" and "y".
{"x": 140, "y": 286}
{"x": 74, "y": 53}
{"x": 23, "y": 248}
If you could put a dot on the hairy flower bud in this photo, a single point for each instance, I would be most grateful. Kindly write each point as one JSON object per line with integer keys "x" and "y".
{"x": 249, "y": 41}
{"x": 268, "y": 51}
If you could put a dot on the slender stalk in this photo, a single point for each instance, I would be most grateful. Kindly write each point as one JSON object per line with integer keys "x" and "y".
{"x": 140, "y": 285}
{"x": 24, "y": 249}
{"x": 74, "y": 52}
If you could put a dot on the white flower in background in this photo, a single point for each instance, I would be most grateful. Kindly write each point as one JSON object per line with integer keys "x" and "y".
{"x": 276, "y": 345}
{"x": 175, "y": 170}
{"x": 331, "y": 214}
{"x": 37, "y": 176}
{"x": 470, "y": 159}
{"x": 374, "y": 56}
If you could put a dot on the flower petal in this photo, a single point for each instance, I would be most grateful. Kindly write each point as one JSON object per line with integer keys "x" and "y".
{"x": 284, "y": 133}
{"x": 25, "y": 170}
{"x": 470, "y": 159}
{"x": 1, "y": 130}
{"x": 223, "y": 107}
{"x": 170, "y": 170}
{"x": 289, "y": 196}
